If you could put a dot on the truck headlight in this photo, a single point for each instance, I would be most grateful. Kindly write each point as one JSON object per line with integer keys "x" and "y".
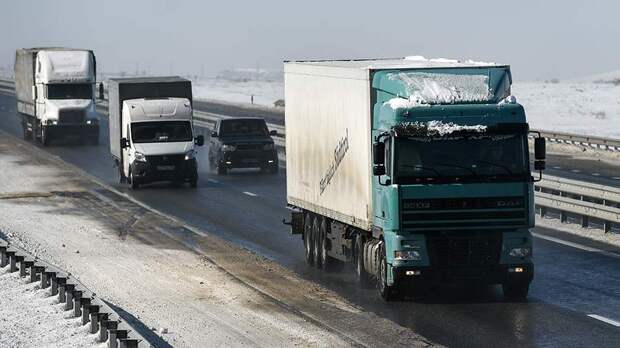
{"x": 92, "y": 121}
{"x": 52, "y": 122}
{"x": 190, "y": 155}
{"x": 228, "y": 148}
{"x": 268, "y": 146}
{"x": 139, "y": 156}
{"x": 407, "y": 255}
{"x": 520, "y": 252}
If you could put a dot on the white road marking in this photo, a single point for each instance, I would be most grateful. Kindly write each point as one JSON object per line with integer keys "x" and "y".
{"x": 575, "y": 170}
{"x": 616, "y": 178}
{"x": 605, "y": 320}
{"x": 250, "y": 194}
{"x": 596, "y": 174}
{"x": 577, "y": 245}
{"x": 213, "y": 181}
{"x": 557, "y": 167}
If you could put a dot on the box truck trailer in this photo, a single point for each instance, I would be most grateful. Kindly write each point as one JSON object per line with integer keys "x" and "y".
{"x": 55, "y": 93}
{"x": 151, "y": 130}
{"x": 416, "y": 171}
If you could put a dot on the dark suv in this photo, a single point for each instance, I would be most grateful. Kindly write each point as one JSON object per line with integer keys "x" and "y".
{"x": 242, "y": 143}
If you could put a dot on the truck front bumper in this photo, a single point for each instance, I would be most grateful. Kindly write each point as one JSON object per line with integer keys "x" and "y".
{"x": 145, "y": 172}
{"x": 495, "y": 274}
{"x": 82, "y": 131}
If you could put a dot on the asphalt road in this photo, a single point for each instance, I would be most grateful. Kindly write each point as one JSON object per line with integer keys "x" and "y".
{"x": 574, "y": 278}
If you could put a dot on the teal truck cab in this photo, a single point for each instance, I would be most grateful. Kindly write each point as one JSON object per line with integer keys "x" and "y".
{"x": 450, "y": 191}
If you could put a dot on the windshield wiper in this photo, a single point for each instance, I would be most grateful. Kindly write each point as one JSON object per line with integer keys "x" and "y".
{"x": 437, "y": 173}
{"x": 495, "y": 165}
{"x": 458, "y": 166}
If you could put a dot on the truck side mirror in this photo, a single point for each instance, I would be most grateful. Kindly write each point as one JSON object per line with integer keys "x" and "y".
{"x": 199, "y": 140}
{"x": 214, "y": 134}
{"x": 540, "y": 149}
{"x": 378, "y": 158}
{"x": 101, "y": 94}
{"x": 273, "y": 132}
{"x": 124, "y": 143}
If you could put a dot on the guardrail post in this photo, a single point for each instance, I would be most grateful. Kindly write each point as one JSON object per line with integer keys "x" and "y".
{"x": 585, "y": 221}
{"x": 115, "y": 336}
{"x": 4, "y": 260}
{"x": 129, "y": 343}
{"x": 77, "y": 297}
{"x": 563, "y": 216}
{"x": 607, "y": 226}
{"x": 45, "y": 280}
{"x": 50, "y": 275}
{"x": 61, "y": 281}
{"x": 29, "y": 263}
{"x": 94, "y": 318}
{"x": 543, "y": 211}
{"x": 69, "y": 296}
{"x": 22, "y": 265}
{"x": 104, "y": 325}
{"x": 85, "y": 302}
{"x": 12, "y": 261}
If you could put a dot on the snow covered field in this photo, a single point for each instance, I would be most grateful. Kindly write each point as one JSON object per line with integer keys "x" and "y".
{"x": 30, "y": 317}
{"x": 581, "y": 107}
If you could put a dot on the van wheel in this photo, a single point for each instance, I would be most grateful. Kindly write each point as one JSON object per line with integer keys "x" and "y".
{"x": 363, "y": 278}
{"x": 132, "y": 183}
{"x": 387, "y": 292}
{"x": 45, "y": 139}
{"x": 308, "y": 239}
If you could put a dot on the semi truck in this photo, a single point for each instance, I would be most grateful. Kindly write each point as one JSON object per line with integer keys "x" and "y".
{"x": 415, "y": 171}
{"x": 55, "y": 93}
{"x": 152, "y": 136}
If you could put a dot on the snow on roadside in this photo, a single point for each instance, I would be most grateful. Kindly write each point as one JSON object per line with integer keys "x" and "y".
{"x": 30, "y": 317}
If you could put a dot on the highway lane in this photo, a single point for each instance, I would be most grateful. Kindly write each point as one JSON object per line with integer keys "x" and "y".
{"x": 247, "y": 207}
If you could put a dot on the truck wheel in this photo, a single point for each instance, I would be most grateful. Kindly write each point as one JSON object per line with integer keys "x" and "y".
{"x": 308, "y": 238}
{"x": 387, "y": 292}
{"x": 274, "y": 169}
{"x": 516, "y": 291}
{"x": 362, "y": 276}
{"x": 316, "y": 239}
{"x": 45, "y": 139}
{"x": 326, "y": 262}
{"x": 193, "y": 183}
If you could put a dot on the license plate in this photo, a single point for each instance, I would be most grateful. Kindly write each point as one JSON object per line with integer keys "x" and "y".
{"x": 165, "y": 168}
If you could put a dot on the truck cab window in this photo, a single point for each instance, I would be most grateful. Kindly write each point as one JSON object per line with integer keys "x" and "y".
{"x": 69, "y": 91}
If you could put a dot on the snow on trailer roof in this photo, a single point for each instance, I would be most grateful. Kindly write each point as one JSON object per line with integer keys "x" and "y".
{"x": 147, "y": 79}
{"x": 410, "y": 62}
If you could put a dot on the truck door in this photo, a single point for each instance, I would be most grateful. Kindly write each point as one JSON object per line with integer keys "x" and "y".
{"x": 125, "y": 159}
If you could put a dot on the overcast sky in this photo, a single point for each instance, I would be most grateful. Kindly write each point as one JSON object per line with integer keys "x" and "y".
{"x": 540, "y": 39}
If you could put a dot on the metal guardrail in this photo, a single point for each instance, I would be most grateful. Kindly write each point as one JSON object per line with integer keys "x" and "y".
{"x": 82, "y": 302}
{"x": 582, "y": 140}
{"x": 584, "y": 199}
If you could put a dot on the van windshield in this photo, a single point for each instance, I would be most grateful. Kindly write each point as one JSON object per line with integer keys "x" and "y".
{"x": 70, "y": 91}
{"x": 161, "y": 132}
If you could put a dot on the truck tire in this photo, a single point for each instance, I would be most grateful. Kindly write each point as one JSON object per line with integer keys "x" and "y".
{"x": 325, "y": 261}
{"x": 308, "y": 239}
{"x": 516, "y": 291}
{"x": 387, "y": 292}
{"x": 363, "y": 278}
{"x": 316, "y": 239}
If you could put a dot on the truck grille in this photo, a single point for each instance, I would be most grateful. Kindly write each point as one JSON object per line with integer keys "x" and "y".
{"x": 165, "y": 159}
{"x": 71, "y": 116}
{"x": 460, "y": 213}
{"x": 249, "y": 147}
{"x": 463, "y": 249}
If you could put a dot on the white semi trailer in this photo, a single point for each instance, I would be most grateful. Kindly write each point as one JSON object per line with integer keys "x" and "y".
{"x": 55, "y": 92}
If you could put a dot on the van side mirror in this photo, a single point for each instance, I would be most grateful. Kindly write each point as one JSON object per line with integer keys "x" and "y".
{"x": 124, "y": 143}
{"x": 214, "y": 134}
{"x": 273, "y": 132}
{"x": 101, "y": 94}
{"x": 199, "y": 140}
{"x": 378, "y": 158}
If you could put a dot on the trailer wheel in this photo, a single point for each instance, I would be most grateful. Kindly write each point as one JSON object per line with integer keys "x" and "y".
{"x": 326, "y": 262}
{"x": 362, "y": 276}
{"x": 516, "y": 291}
{"x": 308, "y": 238}
{"x": 387, "y": 292}
{"x": 316, "y": 239}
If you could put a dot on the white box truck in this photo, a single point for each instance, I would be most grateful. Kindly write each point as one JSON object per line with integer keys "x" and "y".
{"x": 55, "y": 92}
{"x": 416, "y": 171}
{"x": 151, "y": 130}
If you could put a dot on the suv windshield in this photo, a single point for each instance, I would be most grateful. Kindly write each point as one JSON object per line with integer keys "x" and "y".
{"x": 467, "y": 159}
{"x": 161, "y": 132}
{"x": 70, "y": 91}
{"x": 232, "y": 128}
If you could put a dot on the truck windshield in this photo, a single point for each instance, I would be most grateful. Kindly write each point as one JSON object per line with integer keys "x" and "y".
{"x": 241, "y": 127}
{"x": 480, "y": 158}
{"x": 70, "y": 91}
{"x": 161, "y": 132}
